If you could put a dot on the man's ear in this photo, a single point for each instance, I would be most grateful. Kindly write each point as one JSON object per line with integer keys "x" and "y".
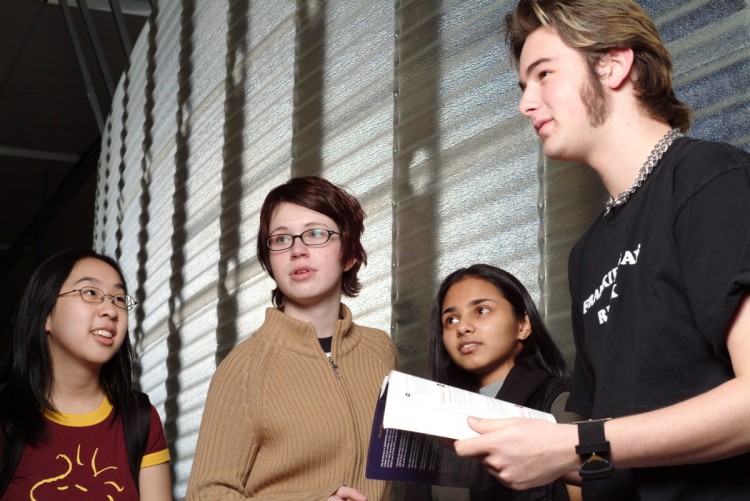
{"x": 615, "y": 67}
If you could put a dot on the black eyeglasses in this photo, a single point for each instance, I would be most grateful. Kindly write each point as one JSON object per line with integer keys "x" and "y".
{"x": 312, "y": 238}
{"x": 94, "y": 295}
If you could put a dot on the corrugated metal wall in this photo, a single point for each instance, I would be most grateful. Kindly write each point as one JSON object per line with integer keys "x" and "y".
{"x": 410, "y": 104}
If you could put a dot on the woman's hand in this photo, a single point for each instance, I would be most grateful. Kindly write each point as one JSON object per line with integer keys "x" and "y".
{"x": 343, "y": 493}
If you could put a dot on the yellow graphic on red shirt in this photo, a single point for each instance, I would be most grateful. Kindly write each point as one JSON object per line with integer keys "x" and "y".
{"x": 95, "y": 471}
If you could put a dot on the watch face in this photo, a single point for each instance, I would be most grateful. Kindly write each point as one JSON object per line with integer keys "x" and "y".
{"x": 596, "y": 467}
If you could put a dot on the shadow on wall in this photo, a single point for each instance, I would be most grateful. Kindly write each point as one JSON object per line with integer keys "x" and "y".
{"x": 121, "y": 167}
{"x": 307, "y": 126}
{"x": 227, "y": 308}
{"x": 415, "y": 215}
{"x": 179, "y": 222}
{"x": 144, "y": 200}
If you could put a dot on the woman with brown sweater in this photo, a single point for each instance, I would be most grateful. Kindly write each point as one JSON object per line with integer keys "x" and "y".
{"x": 289, "y": 410}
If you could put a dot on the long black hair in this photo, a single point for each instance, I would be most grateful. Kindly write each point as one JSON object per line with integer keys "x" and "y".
{"x": 27, "y": 373}
{"x": 538, "y": 349}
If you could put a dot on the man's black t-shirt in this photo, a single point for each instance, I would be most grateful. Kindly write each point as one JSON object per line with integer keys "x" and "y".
{"x": 655, "y": 285}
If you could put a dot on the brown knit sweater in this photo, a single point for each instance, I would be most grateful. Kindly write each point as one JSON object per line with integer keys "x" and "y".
{"x": 282, "y": 423}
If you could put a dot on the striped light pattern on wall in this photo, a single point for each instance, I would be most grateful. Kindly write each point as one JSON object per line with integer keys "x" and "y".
{"x": 411, "y": 105}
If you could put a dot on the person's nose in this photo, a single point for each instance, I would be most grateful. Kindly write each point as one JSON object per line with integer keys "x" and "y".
{"x": 529, "y": 101}
{"x": 464, "y": 327}
{"x": 298, "y": 248}
{"x": 108, "y": 308}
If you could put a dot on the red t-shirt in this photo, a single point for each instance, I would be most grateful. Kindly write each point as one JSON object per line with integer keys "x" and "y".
{"x": 84, "y": 457}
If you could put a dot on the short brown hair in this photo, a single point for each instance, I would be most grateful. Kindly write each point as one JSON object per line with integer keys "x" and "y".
{"x": 315, "y": 193}
{"x": 595, "y": 27}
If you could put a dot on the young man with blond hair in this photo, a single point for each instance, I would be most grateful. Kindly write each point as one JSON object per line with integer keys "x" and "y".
{"x": 660, "y": 282}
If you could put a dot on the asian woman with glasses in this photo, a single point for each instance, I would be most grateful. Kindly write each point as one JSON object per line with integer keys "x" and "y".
{"x": 71, "y": 424}
{"x": 289, "y": 410}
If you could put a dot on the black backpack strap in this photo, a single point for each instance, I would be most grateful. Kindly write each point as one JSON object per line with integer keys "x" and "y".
{"x": 136, "y": 421}
{"x": 521, "y": 384}
{"x": 9, "y": 459}
{"x": 532, "y": 387}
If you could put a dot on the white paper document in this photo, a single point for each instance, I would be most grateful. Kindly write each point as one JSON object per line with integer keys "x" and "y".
{"x": 423, "y": 406}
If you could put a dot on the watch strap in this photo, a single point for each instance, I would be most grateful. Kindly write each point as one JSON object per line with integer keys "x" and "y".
{"x": 591, "y": 437}
{"x": 594, "y": 450}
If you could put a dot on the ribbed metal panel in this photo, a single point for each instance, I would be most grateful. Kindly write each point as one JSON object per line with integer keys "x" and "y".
{"x": 410, "y": 105}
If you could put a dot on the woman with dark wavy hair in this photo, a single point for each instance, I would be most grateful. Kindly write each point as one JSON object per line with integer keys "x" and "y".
{"x": 68, "y": 410}
{"x": 487, "y": 336}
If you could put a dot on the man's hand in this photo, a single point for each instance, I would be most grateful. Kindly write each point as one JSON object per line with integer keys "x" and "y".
{"x": 522, "y": 453}
{"x": 343, "y": 493}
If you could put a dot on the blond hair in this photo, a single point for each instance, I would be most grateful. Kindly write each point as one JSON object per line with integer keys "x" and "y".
{"x": 594, "y": 27}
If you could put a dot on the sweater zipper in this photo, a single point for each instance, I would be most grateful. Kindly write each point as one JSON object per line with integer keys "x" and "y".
{"x": 358, "y": 443}
{"x": 335, "y": 367}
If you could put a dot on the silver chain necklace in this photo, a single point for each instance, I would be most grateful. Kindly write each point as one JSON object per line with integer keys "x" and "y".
{"x": 648, "y": 166}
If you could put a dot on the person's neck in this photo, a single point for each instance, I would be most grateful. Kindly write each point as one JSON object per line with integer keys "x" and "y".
{"x": 625, "y": 144}
{"x": 76, "y": 391}
{"x": 499, "y": 374}
{"x": 322, "y": 316}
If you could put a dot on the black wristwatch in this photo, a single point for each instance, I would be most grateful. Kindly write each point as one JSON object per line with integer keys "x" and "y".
{"x": 594, "y": 450}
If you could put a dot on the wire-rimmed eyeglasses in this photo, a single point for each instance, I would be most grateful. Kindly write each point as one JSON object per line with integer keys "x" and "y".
{"x": 312, "y": 238}
{"x": 94, "y": 295}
